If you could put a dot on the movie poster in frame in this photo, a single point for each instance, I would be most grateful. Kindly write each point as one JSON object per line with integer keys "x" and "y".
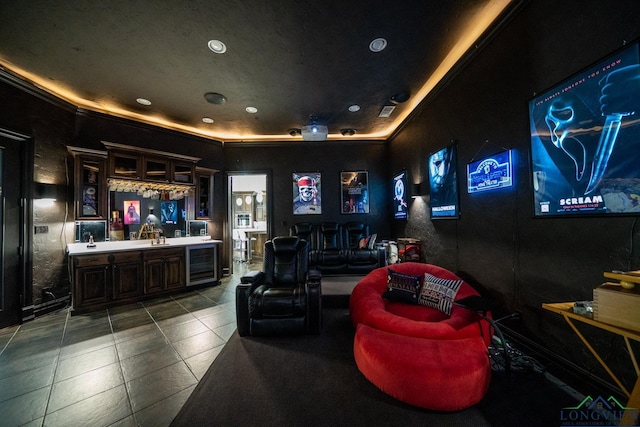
{"x": 400, "y": 194}
{"x": 131, "y": 212}
{"x": 355, "y": 192}
{"x": 307, "y": 193}
{"x": 585, "y": 140}
{"x": 443, "y": 183}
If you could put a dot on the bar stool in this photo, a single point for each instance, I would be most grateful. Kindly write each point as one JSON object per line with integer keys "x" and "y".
{"x": 240, "y": 246}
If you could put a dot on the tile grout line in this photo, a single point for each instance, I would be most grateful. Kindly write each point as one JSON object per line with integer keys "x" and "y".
{"x": 124, "y": 381}
{"x": 174, "y": 349}
{"x": 10, "y": 339}
{"x": 55, "y": 370}
{"x": 198, "y": 319}
{"x": 169, "y": 341}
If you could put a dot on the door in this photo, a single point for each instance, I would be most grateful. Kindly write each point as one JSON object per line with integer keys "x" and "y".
{"x": 12, "y": 229}
{"x": 248, "y": 213}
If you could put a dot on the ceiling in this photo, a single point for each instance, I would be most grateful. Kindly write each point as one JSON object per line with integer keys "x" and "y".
{"x": 297, "y": 62}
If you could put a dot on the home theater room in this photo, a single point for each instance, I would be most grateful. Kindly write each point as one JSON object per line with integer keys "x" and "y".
{"x": 414, "y": 213}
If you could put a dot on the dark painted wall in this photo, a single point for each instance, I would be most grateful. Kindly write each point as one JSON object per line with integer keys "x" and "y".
{"x": 53, "y": 126}
{"x": 50, "y": 126}
{"x": 328, "y": 158}
{"x": 521, "y": 261}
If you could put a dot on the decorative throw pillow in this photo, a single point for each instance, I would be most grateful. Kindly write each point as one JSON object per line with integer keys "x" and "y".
{"x": 438, "y": 293}
{"x": 362, "y": 243}
{"x": 372, "y": 241}
{"x": 402, "y": 287}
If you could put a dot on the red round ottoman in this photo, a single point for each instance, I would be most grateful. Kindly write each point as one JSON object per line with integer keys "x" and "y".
{"x": 443, "y": 375}
{"x": 416, "y": 353}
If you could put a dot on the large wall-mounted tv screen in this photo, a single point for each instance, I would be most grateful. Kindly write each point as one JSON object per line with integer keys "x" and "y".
{"x": 585, "y": 140}
{"x": 490, "y": 173}
{"x": 443, "y": 182}
{"x": 400, "y": 195}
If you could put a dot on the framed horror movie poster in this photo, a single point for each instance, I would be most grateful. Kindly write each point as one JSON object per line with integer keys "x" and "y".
{"x": 585, "y": 140}
{"x": 306, "y": 193}
{"x": 443, "y": 183}
{"x": 355, "y": 192}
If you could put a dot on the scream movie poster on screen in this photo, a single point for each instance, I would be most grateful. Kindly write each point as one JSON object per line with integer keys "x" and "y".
{"x": 585, "y": 140}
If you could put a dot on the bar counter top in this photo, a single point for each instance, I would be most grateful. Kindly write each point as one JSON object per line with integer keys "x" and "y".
{"x": 132, "y": 245}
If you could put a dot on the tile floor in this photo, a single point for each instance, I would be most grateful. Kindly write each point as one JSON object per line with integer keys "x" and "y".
{"x": 126, "y": 366}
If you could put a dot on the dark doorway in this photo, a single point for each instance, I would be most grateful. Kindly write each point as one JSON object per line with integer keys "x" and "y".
{"x": 12, "y": 230}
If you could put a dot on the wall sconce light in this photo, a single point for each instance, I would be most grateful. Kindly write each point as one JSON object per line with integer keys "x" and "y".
{"x": 416, "y": 190}
{"x": 45, "y": 191}
{"x": 44, "y": 194}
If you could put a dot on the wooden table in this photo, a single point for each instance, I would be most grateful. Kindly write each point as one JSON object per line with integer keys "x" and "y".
{"x": 565, "y": 309}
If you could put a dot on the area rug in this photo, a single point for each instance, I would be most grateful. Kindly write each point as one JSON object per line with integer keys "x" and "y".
{"x": 312, "y": 380}
{"x": 336, "y": 290}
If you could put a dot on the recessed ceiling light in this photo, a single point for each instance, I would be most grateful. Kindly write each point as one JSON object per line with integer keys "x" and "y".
{"x": 251, "y": 110}
{"x": 377, "y": 45}
{"x": 207, "y": 120}
{"x": 353, "y": 108}
{"x": 143, "y": 101}
{"x": 217, "y": 46}
{"x": 348, "y": 132}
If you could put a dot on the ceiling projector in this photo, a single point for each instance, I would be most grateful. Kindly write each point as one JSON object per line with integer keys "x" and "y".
{"x": 314, "y": 133}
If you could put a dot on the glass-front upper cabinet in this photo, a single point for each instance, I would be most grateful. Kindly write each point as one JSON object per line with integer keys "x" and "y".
{"x": 183, "y": 172}
{"x": 90, "y": 184}
{"x": 156, "y": 169}
{"x": 203, "y": 197}
{"x": 124, "y": 165}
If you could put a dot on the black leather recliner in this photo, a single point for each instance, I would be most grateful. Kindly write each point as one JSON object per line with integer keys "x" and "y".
{"x": 307, "y": 231}
{"x": 336, "y": 248}
{"x": 361, "y": 259}
{"x": 286, "y": 297}
{"x": 330, "y": 256}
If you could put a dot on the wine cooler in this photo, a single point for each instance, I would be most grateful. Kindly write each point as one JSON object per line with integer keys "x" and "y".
{"x": 202, "y": 264}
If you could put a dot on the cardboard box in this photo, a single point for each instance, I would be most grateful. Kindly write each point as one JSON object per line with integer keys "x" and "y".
{"x": 617, "y": 306}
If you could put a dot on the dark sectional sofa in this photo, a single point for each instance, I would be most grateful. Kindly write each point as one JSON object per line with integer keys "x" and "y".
{"x": 336, "y": 248}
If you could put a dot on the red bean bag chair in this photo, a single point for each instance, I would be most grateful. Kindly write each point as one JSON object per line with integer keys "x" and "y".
{"x": 419, "y": 354}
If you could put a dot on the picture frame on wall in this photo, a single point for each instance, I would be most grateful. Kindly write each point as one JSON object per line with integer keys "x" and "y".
{"x": 443, "y": 182}
{"x": 400, "y": 195}
{"x": 355, "y": 192}
{"x": 307, "y": 193}
{"x": 584, "y": 136}
{"x": 131, "y": 212}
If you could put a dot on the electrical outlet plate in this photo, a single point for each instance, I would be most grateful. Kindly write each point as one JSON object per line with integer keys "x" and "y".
{"x": 41, "y": 229}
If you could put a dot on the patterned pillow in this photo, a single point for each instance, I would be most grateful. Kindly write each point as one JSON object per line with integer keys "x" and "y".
{"x": 438, "y": 293}
{"x": 364, "y": 242}
{"x": 402, "y": 287}
{"x": 371, "y": 244}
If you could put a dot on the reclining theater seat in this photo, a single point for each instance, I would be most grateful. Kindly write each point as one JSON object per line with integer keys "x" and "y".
{"x": 361, "y": 259}
{"x": 284, "y": 298}
{"x": 306, "y": 231}
{"x": 334, "y": 248}
{"x": 330, "y": 257}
